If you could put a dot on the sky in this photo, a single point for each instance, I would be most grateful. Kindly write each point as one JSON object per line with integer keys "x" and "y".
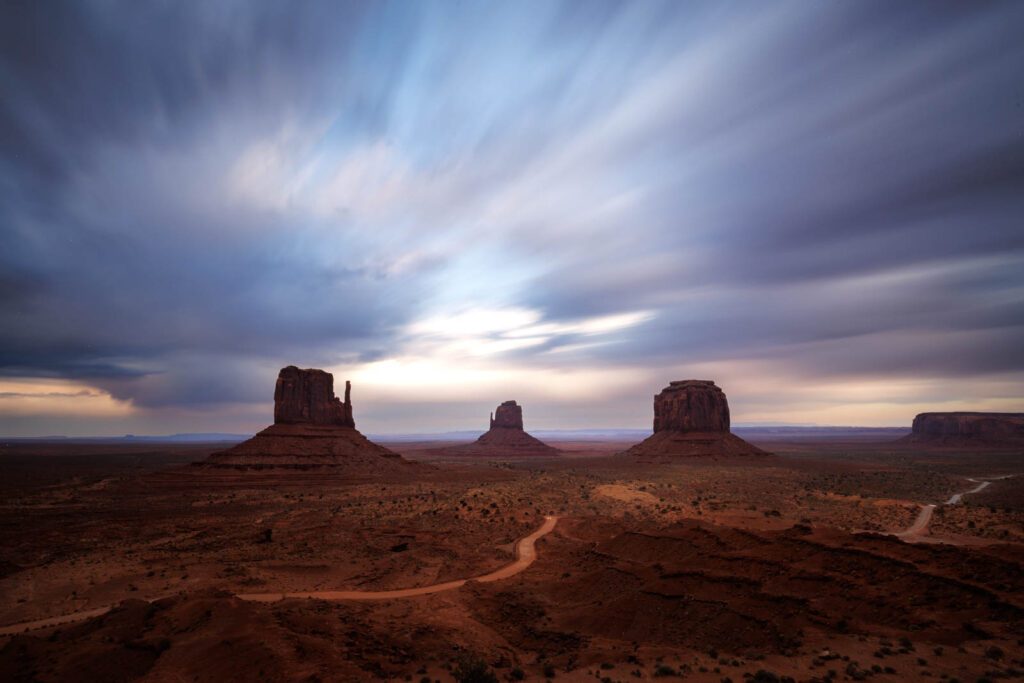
{"x": 818, "y": 205}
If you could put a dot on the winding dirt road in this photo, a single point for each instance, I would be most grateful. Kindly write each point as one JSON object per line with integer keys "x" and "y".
{"x": 54, "y": 621}
{"x": 917, "y": 532}
{"x": 920, "y": 525}
{"x": 526, "y": 553}
{"x": 957, "y": 497}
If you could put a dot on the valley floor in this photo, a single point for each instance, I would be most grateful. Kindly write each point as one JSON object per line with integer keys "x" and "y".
{"x": 708, "y": 569}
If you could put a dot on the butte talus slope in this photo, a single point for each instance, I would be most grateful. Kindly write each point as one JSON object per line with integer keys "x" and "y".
{"x": 312, "y": 428}
{"x": 691, "y": 418}
{"x": 506, "y": 436}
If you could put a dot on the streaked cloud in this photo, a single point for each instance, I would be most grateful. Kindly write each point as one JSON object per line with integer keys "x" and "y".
{"x": 570, "y": 202}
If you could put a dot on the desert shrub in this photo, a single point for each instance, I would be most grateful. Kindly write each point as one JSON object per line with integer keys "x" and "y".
{"x": 471, "y": 669}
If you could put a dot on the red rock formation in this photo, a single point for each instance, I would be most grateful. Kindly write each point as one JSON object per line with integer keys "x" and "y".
{"x": 506, "y": 436}
{"x": 312, "y": 428}
{"x": 307, "y": 397}
{"x": 691, "y": 405}
{"x": 509, "y": 415}
{"x": 968, "y": 428}
{"x": 691, "y": 418}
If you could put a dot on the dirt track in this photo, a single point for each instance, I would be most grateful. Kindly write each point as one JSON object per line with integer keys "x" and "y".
{"x": 526, "y": 553}
{"x": 920, "y": 525}
{"x": 917, "y": 531}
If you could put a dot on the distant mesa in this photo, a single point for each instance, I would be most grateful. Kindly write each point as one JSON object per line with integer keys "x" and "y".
{"x": 968, "y": 429}
{"x": 506, "y": 436}
{"x": 312, "y": 428}
{"x": 691, "y": 418}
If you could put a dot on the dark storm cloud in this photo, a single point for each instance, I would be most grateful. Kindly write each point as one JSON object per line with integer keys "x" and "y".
{"x": 85, "y": 73}
{"x": 873, "y": 184}
{"x": 113, "y": 258}
{"x": 194, "y": 194}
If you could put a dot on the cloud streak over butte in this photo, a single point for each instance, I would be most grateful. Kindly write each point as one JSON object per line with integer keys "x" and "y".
{"x": 817, "y": 205}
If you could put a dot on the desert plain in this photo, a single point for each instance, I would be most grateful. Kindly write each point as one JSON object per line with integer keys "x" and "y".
{"x": 706, "y": 568}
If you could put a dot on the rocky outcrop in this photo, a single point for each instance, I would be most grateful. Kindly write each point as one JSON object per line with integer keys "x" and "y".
{"x": 506, "y": 436}
{"x": 509, "y": 415}
{"x": 691, "y": 405}
{"x": 312, "y": 428}
{"x": 691, "y": 418}
{"x": 968, "y": 428}
{"x": 307, "y": 397}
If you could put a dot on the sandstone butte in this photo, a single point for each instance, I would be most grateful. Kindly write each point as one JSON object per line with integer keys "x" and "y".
{"x": 968, "y": 429}
{"x": 691, "y": 418}
{"x": 312, "y": 428}
{"x": 506, "y": 436}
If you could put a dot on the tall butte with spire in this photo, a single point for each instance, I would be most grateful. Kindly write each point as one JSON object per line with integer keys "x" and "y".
{"x": 691, "y": 418}
{"x": 312, "y": 428}
{"x": 506, "y": 436}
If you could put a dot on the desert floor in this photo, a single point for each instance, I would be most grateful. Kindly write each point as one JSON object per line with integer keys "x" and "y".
{"x": 704, "y": 569}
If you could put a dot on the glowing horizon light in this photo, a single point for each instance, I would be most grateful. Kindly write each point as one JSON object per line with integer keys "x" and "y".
{"x": 34, "y": 396}
{"x": 463, "y": 352}
{"x": 418, "y": 379}
{"x": 518, "y": 323}
{"x": 475, "y": 321}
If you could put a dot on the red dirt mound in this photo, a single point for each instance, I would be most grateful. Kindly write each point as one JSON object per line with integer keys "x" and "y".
{"x": 296, "y": 446}
{"x": 211, "y": 636}
{"x": 663, "y": 446}
{"x": 701, "y": 586}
